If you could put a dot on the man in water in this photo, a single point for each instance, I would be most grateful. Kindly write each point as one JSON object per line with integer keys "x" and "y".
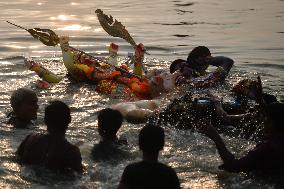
{"x": 267, "y": 156}
{"x": 149, "y": 173}
{"x": 240, "y": 114}
{"x": 51, "y": 149}
{"x": 109, "y": 147}
{"x": 200, "y": 58}
{"x": 196, "y": 65}
{"x": 24, "y": 105}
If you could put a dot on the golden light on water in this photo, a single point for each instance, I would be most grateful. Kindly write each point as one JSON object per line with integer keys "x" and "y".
{"x": 22, "y": 47}
{"x": 6, "y": 63}
{"x": 62, "y": 17}
{"x": 100, "y": 52}
{"x": 98, "y": 30}
{"x": 33, "y": 47}
{"x": 16, "y": 46}
{"x": 75, "y": 27}
{"x": 73, "y": 3}
{"x": 59, "y": 17}
{"x": 198, "y": 180}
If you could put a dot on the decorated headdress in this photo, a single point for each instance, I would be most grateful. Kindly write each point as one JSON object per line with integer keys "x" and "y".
{"x": 113, "y": 47}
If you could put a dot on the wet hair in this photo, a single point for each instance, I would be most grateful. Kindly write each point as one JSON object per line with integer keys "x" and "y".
{"x": 275, "y": 113}
{"x": 19, "y": 96}
{"x": 151, "y": 138}
{"x": 200, "y": 51}
{"x": 175, "y": 63}
{"x": 109, "y": 122}
{"x": 57, "y": 117}
{"x": 242, "y": 87}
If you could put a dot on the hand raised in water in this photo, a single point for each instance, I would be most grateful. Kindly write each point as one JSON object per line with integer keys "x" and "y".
{"x": 205, "y": 127}
{"x": 217, "y": 102}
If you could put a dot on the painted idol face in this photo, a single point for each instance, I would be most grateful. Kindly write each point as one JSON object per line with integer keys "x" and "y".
{"x": 63, "y": 40}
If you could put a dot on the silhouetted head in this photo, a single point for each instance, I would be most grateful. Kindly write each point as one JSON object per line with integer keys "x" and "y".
{"x": 200, "y": 51}
{"x": 247, "y": 88}
{"x": 24, "y": 104}
{"x": 57, "y": 117}
{"x": 109, "y": 122}
{"x": 176, "y": 65}
{"x": 151, "y": 139}
{"x": 274, "y": 118}
{"x": 197, "y": 58}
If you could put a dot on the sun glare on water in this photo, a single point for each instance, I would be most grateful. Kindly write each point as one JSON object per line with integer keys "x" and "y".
{"x": 16, "y": 46}
{"x": 74, "y": 27}
{"x": 73, "y": 3}
{"x": 59, "y": 17}
{"x": 62, "y": 17}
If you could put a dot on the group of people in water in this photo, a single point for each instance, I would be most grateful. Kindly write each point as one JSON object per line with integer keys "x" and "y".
{"x": 53, "y": 151}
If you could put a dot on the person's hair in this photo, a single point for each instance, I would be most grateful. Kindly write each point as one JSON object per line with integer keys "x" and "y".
{"x": 109, "y": 122}
{"x": 244, "y": 86}
{"x": 57, "y": 117}
{"x": 19, "y": 96}
{"x": 275, "y": 113}
{"x": 200, "y": 51}
{"x": 151, "y": 138}
{"x": 175, "y": 63}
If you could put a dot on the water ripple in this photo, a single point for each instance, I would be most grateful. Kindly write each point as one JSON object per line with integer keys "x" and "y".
{"x": 191, "y": 23}
{"x": 184, "y": 4}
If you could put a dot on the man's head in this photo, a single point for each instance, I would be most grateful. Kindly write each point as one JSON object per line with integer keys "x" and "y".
{"x": 57, "y": 117}
{"x": 197, "y": 52}
{"x": 247, "y": 88}
{"x": 274, "y": 118}
{"x": 177, "y": 65}
{"x": 151, "y": 139}
{"x": 197, "y": 58}
{"x": 109, "y": 122}
{"x": 24, "y": 104}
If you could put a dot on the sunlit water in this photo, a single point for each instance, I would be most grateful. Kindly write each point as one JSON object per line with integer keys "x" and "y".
{"x": 249, "y": 31}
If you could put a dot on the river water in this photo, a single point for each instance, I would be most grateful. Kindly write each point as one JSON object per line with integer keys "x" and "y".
{"x": 249, "y": 31}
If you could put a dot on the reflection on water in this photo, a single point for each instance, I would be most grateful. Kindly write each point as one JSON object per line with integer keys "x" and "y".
{"x": 251, "y": 33}
{"x": 74, "y": 27}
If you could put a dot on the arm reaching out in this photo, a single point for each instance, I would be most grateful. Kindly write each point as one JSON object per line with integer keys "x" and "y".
{"x": 207, "y": 129}
{"x": 221, "y": 61}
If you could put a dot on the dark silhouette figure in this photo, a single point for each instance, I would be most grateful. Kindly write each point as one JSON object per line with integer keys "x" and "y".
{"x": 267, "y": 156}
{"x": 149, "y": 173}
{"x": 110, "y": 146}
{"x": 51, "y": 149}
